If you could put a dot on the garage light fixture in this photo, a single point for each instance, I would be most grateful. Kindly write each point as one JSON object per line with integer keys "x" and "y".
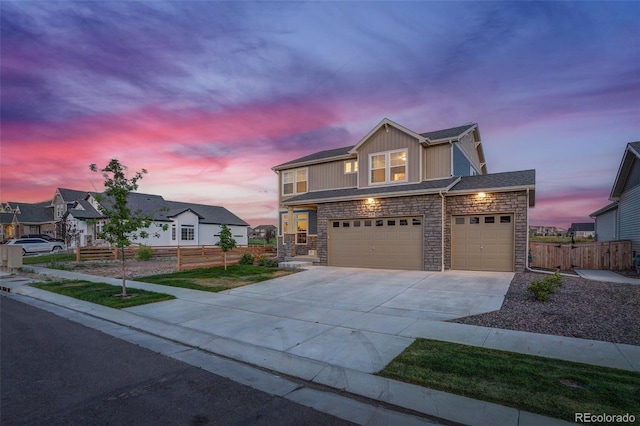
{"x": 370, "y": 201}
{"x": 482, "y": 195}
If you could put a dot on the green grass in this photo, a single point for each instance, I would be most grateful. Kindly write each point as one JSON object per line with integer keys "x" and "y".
{"x": 48, "y": 258}
{"x": 103, "y": 294}
{"x": 216, "y": 279}
{"x": 559, "y": 240}
{"x": 541, "y": 385}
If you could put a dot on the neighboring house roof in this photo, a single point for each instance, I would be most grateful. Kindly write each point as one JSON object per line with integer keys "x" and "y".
{"x": 631, "y": 155}
{"x": 69, "y": 195}
{"x": 584, "y": 227}
{"x": 83, "y": 209}
{"x": 33, "y": 212}
{"x": 605, "y": 209}
{"x": 265, "y": 227}
{"x": 164, "y": 210}
{"x": 6, "y": 218}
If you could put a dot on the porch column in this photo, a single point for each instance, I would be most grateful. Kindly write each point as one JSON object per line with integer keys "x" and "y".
{"x": 289, "y": 236}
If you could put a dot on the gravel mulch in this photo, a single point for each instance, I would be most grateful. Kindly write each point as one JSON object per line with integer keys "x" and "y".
{"x": 580, "y": 308}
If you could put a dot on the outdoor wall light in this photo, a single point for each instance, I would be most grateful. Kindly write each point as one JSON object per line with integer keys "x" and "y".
{"x": 370, "y": 201}
{"x": 482, "y": 195}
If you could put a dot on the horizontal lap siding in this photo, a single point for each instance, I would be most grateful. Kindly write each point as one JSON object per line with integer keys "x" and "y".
{"x": 629, "y": 217}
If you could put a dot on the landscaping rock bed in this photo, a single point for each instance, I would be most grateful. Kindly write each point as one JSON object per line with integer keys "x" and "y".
{"x": 580, "y": 308}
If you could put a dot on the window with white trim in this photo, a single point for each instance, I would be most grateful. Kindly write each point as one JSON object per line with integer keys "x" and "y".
{"x": 294, "y": 182}
{"x": 350, "y": 166}
{"x": 187, "y": 232}
{"x": 302, "y": 227}
{"x": 388, "y": 167}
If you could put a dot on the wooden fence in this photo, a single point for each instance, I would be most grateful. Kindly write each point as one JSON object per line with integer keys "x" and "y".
{"x": 611, "y": 255}
{"x": 210, "y": 256}
{"x": 189, "y": 257}
{"x": 112, "y": 253}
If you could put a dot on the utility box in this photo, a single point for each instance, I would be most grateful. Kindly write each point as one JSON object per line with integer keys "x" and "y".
{"x": 10, "y": 257}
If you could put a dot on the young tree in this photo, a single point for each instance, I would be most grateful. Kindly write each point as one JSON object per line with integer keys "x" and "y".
{"x": 226, "y": 242}
{"x": 122, "y": 225}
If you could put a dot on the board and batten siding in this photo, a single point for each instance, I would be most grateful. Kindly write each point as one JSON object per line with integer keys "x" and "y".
{"x": 468, "y": 145}
{"x": 391, "y": 140}
{"x": 629, "y": 217}
{"x": 437, "y": 161}
{"x": 606, "y": 226}
{"x": 330, "y": 176}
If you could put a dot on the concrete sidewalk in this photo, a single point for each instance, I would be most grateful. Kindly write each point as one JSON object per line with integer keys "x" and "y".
{"x": 188, "y": 320}
{"x": 606, "y": 276}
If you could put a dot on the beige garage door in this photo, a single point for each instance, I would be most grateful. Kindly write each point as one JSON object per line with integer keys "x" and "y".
{"x": 386, "y": 243}
{"x": 482, "y": 242}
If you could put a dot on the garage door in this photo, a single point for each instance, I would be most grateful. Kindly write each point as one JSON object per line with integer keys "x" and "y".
{"x": 482, "y": 242}
{"x": 387, "y": 243}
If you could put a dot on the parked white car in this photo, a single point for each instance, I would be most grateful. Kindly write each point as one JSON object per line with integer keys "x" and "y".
{"x": 36, "y": 245}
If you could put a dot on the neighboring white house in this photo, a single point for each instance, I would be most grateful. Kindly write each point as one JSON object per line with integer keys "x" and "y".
{"x": 79, "y": 219}
{"x": 620, "y": 220}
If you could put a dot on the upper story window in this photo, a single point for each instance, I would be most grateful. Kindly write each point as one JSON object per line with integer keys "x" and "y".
{"x": 59, "y": 210}
{"x": 294, "y": 182}
{"x": 387, "y": 167}
{"x": 350, "y": 166}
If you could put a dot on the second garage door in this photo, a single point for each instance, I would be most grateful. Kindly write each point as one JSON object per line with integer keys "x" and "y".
{"x": 482, "y": 242}
{"x": 387, "y": 243}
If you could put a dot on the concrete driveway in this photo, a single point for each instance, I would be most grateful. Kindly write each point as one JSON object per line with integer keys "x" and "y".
{"x": 355, "y": 318}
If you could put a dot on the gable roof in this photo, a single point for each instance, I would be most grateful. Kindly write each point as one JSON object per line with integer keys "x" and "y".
{"x": 70, "y": 195}
{"x": 449, "y": 134}
{"x": 630, "y": 156}
{"x": 437, "y": 136}
{"x": 33, "y": 212}
{"x": 82, "y": 209}
{"x": 318, "y": 157}
{"x": 164, "y": 211}
{"x": 605, "y": 209}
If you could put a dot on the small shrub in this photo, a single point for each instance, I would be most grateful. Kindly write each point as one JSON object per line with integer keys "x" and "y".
{"x": 144, "y": 253}
{"x": 541, "y": 289}
{"x": 246, "y": 259}
{"x": 269, "y": 262}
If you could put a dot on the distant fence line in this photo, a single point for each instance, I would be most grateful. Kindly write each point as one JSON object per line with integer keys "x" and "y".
{"x": 188, "y": 257}
{"x": 608, "y": 255}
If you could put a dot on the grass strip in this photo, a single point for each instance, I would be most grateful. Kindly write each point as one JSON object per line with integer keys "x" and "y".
{"x": 216, "y": 279}
{"x": 540, "y": 385}
{"x": 103, "y": 294}
{"x": 48, "y": 258}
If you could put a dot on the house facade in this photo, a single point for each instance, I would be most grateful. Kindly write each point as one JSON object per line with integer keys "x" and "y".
{"x": 75, "y": 216}
{"x": 582, "y": 230}
{"x": 405, "y": 200}
{"x": 620, "y": 219}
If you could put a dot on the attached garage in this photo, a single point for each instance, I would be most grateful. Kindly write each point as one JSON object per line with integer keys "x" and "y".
{"x": 482, "y": 242}
{"x": 385, "y": 243}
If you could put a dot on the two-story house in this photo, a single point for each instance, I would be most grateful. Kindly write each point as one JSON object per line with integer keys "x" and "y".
{"x": 404, "y": 200}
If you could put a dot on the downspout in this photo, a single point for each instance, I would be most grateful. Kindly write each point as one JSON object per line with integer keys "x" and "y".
{"x": 442, "y": 230}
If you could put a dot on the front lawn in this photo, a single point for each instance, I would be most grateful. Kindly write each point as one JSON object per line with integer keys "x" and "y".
{"x": 540, "y": 385}
{"x": 103, "y": 294}
{"x": 48, "y": 258}
{"x": 217, "y": 279}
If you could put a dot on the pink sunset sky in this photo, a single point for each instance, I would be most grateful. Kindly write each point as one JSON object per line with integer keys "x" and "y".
{"x": 209, "y": 96}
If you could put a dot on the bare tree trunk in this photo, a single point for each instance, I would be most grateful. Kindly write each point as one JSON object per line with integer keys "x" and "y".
{"x": 124, "y": 278}
{"x": 225, "y": 260}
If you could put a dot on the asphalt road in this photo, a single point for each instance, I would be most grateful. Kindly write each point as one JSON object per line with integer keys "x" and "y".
{"x": 57, "y": 372}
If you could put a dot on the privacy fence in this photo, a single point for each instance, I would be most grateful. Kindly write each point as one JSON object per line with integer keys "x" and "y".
{"x": 188, "y": 257}
{"x": 611, "y": 255}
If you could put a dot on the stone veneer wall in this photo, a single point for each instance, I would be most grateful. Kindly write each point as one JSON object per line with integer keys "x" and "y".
{"x": 501, "y": 202}
{"x": 427, "y": 206}
{"x": 288, "y": 248}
